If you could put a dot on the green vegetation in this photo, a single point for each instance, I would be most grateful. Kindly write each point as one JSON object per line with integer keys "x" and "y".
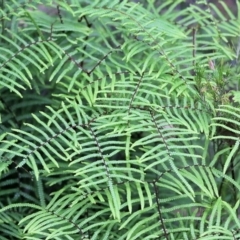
{"x": 119, "y": 120}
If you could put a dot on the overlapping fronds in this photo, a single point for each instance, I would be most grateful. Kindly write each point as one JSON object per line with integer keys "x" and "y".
{"x": 118, "y": 121}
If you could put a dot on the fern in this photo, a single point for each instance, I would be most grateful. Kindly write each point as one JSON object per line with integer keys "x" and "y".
{"x": 119, "y": 120}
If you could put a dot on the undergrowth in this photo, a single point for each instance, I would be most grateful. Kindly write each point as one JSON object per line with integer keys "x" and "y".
{"x": 119, "y": 120}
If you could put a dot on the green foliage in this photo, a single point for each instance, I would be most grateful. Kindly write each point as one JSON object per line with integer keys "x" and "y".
{"x": 119, "y": 120}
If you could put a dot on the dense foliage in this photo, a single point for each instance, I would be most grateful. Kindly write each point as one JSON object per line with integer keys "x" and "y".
{"x": 119, "y": 120}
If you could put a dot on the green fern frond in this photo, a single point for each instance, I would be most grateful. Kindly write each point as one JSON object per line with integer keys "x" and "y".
{"x": 119, "y": 120}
